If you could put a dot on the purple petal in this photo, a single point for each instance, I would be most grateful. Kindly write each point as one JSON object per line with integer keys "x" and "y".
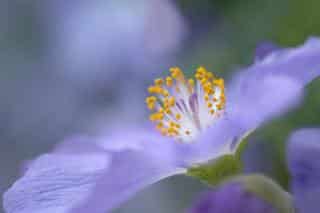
{"x": 257, "y": 100}
{"x": 273, "y": 85}
{"x": 230, "y": 198}
{"x": 217, "y": 140}
{"x": 144, "y": 158}
{"x": 55, "y": 183}
{"x": 304, "y": 165}
{"x": 300, "y": 63}
{"x": 264, "y": 49}
{"x": 94, "y": 181}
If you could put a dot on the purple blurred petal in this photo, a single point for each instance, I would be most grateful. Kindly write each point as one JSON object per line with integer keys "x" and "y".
{"x": 304, "y": 165}
{"x": 230, "y": 198}
{"x": 93, "y": 40}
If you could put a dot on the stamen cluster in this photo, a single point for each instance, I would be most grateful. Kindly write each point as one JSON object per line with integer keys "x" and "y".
{"x": 182, "y": 107}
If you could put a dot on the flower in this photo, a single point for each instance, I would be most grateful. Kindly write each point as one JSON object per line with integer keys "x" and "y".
{"x": 129, "y": 159}
{"x": 303, "y": 160}
{"x": 92, "y": 41}
{"x": 237, "y": 198}
{"x": 94, "y": 44}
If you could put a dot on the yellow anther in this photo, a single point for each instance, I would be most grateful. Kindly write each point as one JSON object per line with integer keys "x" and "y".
{"x": 151, "y": 99}
{"x": 160, "y": 125}
{"x": 169, "y": 81}
{"x": 172, "y": 131}
{"x": 219, "y": 82}
{"x": 207, "y": 87}
{"x": 203, "y": 81}
{"x": 156, "y": 116}
{"x": 198, "y": 76}
{"x": 219, "y": 106}
{"x": 209, "y": 75}
{"x": 168, "y": 111}
{"x": 178, "y": 116}
{"x": 212, "y": 111}
{"x": 158, "y": 82}
{"x": 155, "y": 89}
{"x": 201, "y": 70}
{"x": 151, "y": 106}
{"x": 172, "y": 124}
{"x": 171, "y": 101}
{"x": 206, "y": 97}
{"x": 165, "y": 93}
{"x": 151, "y": 102}
{"x": 175, "y": 72}
{"x": 209, "y": 105}
{"x": 191, "y": 82}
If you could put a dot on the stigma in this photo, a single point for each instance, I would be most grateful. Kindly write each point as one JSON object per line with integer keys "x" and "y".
{"x": 181, "y": 108}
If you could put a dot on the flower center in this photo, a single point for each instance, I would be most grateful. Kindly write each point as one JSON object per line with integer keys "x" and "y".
{"x": 182, "y": 108}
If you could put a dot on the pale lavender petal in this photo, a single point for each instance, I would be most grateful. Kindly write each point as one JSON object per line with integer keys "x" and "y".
{"x": 266, "y": 89}
{"x": 219, "y": 139}
{"x": 273, "y": 85}
{"x": 54, "y": 183}
{"x": 304, "y": 165}
{"x": 300, "y": 63}
{"x": 257, "y": 100}
{"x": 96, "y": 180}
{"x": 142, "y": 159}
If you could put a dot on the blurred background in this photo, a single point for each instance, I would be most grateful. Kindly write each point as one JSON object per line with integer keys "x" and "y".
{"x": 80, "y": 66}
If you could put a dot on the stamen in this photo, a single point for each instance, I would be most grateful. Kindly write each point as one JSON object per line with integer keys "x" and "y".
{"x": 182, "y": 108}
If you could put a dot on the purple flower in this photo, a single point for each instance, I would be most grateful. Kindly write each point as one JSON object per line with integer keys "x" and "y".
{"x": 97, "y": 174}
{"x": 96, "y": 44}
{"x": 231, "y": 198}
{"x": 92, "y": 41}
{"x": 304, "y": 165}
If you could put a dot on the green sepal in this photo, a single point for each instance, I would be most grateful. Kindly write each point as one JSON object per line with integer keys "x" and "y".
{"x": 267, "y": 190}
{"x": 218, "y": 170}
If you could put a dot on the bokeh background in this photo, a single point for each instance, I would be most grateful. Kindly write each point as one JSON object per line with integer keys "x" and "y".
{"x": 80, "y": 66}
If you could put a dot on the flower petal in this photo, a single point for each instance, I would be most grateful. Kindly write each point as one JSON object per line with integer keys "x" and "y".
{"x": 274, "y": 84}
{"x": 257, "y": 100}
{"x": 304, "y": 165}
{"x": 55, "y": 183}
{"x": 139, "y": 158}
{"x": 94, "y": 181}
{"x": 217, "y": 140}
{"x": 264, "y": 49}
{"x": 300, "y": 63}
